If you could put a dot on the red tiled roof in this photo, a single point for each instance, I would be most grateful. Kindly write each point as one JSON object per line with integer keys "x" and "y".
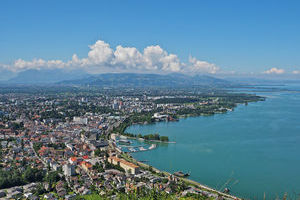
{"x": 86, "y": 164}
{"x": 124, "y": 162}
{"x": 73, "y": 159}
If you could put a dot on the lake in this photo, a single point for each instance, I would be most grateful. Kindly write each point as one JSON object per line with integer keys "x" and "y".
{"x": 252, "y": 150}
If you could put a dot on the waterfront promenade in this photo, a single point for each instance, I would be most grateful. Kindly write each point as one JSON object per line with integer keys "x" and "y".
{"x": 186, "y": 180}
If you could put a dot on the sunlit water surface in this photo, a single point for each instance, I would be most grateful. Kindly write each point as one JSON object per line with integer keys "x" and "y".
{"x": 253, "y": 150}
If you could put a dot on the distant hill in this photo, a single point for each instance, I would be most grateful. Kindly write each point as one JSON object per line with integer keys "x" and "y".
{"x": 80, "y": 78}
{"x": 6, "y": 75}
{"x": 33, "y": 76}
{"x": 146, "y": 80}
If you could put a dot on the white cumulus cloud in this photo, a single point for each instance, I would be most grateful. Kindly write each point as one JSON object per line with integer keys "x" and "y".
{"x": 100, "y": 53}
{"x": 128, "y": 57}
{"x": 274, "y": 70}
{"x": 198, "y": 66}
{"x": 158, "y": 59}
{"x": 296, "y": 72}
{"x": 101, "y": 57}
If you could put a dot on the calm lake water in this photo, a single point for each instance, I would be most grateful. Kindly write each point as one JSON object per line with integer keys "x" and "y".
{"x": 253, "y": 150}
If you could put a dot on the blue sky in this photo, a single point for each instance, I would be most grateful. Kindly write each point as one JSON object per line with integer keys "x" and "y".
{"x": 234, "y": 35}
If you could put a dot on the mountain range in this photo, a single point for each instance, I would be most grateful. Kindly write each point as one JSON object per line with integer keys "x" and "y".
{"x": 80, "y": 78}
{"x": 146, "y": 80}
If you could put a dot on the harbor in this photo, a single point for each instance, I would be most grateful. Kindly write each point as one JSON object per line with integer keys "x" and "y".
{"x": 134, "y": 149}
{"x": 130, "y": 145}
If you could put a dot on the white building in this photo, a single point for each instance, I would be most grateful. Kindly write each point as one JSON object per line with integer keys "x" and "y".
{"x": 69, "y": 170}
{"x": 80, "y": 120}
{"x": 159, "y": 116}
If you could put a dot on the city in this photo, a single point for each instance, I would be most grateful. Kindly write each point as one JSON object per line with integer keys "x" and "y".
{"x": 67, "y": 145}
{"x": 149, "y": 100}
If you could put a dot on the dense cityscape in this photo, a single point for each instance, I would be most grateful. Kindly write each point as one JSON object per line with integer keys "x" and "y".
{"x": 71, "y": 143}
{"x": 149, "y": 100}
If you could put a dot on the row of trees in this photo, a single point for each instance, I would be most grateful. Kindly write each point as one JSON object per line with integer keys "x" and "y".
{"x": 155, "y": 137}
{"x": 149, "y": 137}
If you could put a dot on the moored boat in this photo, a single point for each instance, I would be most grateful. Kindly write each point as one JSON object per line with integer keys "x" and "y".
{"x": 181, "y": 174}
{"x": 123, "y": 141}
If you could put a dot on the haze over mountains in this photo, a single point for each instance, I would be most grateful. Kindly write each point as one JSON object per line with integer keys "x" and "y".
{"x": 147, "y": 80}
{"x": 33, "y": 76}
{"x": 59, "y": 76}
{"x": 82, "y": 78}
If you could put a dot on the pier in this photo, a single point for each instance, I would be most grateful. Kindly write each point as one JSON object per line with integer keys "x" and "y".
{"x": 140, "y": 148}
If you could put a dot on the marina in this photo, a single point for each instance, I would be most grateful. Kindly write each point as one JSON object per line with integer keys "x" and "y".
{"x": 130, "y": 145}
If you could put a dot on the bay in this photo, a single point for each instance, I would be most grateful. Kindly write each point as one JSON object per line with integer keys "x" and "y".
{"x": 253, "y": 150}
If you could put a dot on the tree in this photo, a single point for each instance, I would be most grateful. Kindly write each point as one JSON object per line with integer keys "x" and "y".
{"x": 39, "y": 190}
{"x": 33, "y": 175}
{"x": 52, "y": 177}
{"x": 164, "y": 138}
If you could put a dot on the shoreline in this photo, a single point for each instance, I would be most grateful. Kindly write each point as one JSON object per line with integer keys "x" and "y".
{"x": 187, "y": 180}
{"x": 184, "y": 116}
{"x": 155, "y": 141}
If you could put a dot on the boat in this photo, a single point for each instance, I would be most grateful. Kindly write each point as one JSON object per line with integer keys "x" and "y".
{"x": 226, "y": 190}
{"x": 181, "y": 174}
{"x": 143, "y": 161}
{"x": 132, "y": 150}
{"x": 153, "y": 146}
{"x": 123, "y": 141}
{"x": 142, "y": 149}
